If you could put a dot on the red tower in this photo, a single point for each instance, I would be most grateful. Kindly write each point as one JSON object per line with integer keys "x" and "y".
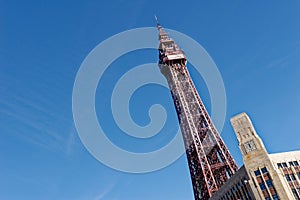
{"x": 209, "y": 160}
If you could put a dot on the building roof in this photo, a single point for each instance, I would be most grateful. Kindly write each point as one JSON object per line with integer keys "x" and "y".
{"x": 285, "y": 156}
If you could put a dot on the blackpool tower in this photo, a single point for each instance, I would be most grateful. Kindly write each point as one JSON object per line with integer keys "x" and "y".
{"x": 210, "y": 162}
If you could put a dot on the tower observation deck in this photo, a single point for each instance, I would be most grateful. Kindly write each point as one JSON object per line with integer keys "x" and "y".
{"x": 210, "y": 162}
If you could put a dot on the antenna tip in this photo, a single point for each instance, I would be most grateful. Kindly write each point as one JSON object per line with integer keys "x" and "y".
{"x": 157, "y": 24}
{"x": 155, "y": 17}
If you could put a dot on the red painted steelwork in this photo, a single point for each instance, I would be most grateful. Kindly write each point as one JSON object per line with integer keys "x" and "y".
{"x": 209, "y": 160}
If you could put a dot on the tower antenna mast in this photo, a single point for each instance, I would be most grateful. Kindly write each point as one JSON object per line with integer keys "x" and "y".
{"x": 209, "y": 160}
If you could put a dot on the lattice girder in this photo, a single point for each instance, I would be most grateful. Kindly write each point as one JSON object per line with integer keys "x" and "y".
{"x": 209, "y": 160}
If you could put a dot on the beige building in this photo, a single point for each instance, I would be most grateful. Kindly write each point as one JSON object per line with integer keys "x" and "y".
{"x": 264, "y": 176}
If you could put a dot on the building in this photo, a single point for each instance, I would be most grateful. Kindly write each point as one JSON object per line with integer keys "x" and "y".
{"x": 209, "y": 160}
{"x": 264, "y": 176}
{"x": 213, "y": 171}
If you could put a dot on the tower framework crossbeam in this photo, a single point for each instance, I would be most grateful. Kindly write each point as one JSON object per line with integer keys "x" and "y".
{"x": 210, "y": 162}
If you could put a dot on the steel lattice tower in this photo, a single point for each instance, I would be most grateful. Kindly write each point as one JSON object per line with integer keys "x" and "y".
{"x": 209, "y": 160}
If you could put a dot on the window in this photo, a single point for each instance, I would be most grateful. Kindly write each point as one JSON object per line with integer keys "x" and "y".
{"x": 296, "y": 163}
{"x": 287, "y": 177}
{"x": 284, "y": 164}
{"x": 262, "y": 186}
{"x": 275, "y": 197}
{"x": 291, "y": 163}
{"x": 295, "y": 194}
{"x": 293, "y": 177}
{"x": 267, "y": 198}
{"x": 269, "y": 183}
{"x": 257, "y": 173}
{"x": 264, "y": 170}
{"x": 279, "y": 165}
{"x": 298, "y": 175}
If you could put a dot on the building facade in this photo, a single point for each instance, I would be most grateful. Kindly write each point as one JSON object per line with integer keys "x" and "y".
{"x": 264, "y": 176}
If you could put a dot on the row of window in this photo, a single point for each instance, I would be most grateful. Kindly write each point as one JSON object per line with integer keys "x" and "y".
{"x": 266, "y": 184}
{"x": 239, "y": 191}
{"x": 263, "y": 170}
{"x": 269, "y": 184}
{"x": 284, "y": 164}
{"x": 290, "y": 177}
{"x": 275, "y": 197}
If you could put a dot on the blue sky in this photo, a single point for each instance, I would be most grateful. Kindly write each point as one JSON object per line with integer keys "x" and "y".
{"x": 256, "y": 47}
